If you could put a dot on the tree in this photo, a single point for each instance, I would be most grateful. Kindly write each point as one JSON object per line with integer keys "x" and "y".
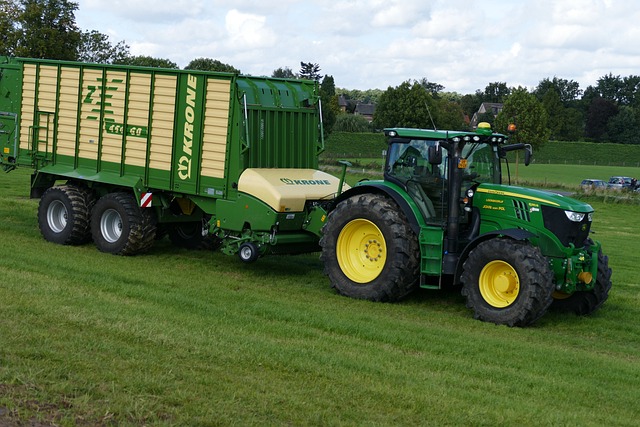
{"x": 369, "y": 96}
{"x": 284, "y": 73}
{"x": 96, "y": 47}
{"x": 565, "y": 123}
{"x": 573, "y": 127}
{"x": 310, "y": 71}
{"x": 529, "y": 116}
{"x": 407, "y": 105}
{"x": 9, "y": 30}
{"x": 48, "y": 30}
{"x": 496, "y": 92}
{"x": 598, "y": 115}
{"x": 208, "y": 64}
{"x": 449, "y": 115}
{"x": 148, "y": 61}
{"x": 630, "y": 90}
{"x": 330, "y": 108}
{"x": 486, "y": 117}
{"x": 555, "y": 111}
{"x": 471, "y": 103}
{"x": 433, "y": 88}
{"x": 351, "y": 123}
{"x": 622, "y": 128}
{"x": 567, "y": 90}
{"x": 609, "y": 87}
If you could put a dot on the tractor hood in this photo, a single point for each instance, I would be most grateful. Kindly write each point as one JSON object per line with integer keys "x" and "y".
{"x": 501, "y": 192}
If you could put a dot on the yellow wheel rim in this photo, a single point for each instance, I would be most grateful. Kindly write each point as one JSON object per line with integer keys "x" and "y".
{"x": 499, "y": 284}
{"x": 361, "y": 251}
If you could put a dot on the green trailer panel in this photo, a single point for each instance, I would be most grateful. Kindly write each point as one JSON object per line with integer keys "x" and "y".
{"x": 179, "y": 131}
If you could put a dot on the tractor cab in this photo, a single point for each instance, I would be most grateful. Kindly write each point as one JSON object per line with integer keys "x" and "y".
{"x": 432, "y": 164}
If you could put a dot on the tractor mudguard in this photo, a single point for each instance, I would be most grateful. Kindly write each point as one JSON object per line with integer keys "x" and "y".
{"x": 513, "y": 233}
{"x": 402, "y": 199}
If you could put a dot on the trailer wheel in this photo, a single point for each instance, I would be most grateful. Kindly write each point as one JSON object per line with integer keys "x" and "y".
{"x": 507, "y": 282}
{"x": 119, "y": 226}
{"x": 583, "y": 303}
{"x": 63, "y": 215}
{"x": 193, "y": 235}
{"x": 369, "y": 250}
{"x": 248, "y": 252}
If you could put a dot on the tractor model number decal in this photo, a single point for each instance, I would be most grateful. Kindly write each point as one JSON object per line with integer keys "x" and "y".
{"x": 98, "y": 101}
{"x": 494, "y": 207}
{"x": 184, "y": 163}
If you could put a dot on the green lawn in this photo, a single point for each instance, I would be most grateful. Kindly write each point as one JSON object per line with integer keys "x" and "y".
{"x": 197, "y": 338}
{"x": 567, "y": 175}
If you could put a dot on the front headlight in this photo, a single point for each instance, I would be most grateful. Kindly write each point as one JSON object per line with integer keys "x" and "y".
{"x": 574, "y": 216}
{"x": 590, "y": 216}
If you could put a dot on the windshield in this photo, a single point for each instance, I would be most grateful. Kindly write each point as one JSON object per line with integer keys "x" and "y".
{"x": 410, "y": 160}
{"x": 482, "y": 163}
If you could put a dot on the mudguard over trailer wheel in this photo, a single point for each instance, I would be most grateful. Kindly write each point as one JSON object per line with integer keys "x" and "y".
{"x": 119, "y": 226}
{"x": 584, "y": 303}
{"x": 63, "y": 215}
{"x": 369, "y": 250}
{"x": 507, "y": 282}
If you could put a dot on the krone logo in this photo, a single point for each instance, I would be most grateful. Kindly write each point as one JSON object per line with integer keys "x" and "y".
{"x": 289, "y": 181}
{"x": 184, "y": 167}
{"x": 184, "y": 164}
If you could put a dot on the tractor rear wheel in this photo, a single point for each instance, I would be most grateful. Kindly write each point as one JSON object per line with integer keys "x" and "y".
{"x": 63, "y": 215}
{"x": 369, "y": 250}
{"x": 119, "y": 226}
{"x": 583, "y": 303}
{"x": 507, "y": 282}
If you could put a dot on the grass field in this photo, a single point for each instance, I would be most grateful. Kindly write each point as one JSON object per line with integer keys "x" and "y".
{"x": 197, "y": 338}
{"x": 563, "y": 176}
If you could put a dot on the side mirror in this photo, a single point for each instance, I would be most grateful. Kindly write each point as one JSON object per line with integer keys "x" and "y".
{"x": 435, "y": 154}
{"x": 528, "y": 153}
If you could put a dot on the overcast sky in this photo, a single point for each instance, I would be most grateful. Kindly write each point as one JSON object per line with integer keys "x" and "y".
{"x": 367, "y": 44}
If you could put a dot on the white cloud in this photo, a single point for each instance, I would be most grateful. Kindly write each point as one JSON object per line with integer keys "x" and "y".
{"x": 248, "y": 31}
{"x": 398, "y": 13}
{"x": 462, "y": 44}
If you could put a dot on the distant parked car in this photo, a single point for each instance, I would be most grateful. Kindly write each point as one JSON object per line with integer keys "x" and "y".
{"x": 619, "y": 182}
{"x": 593, "y": 184}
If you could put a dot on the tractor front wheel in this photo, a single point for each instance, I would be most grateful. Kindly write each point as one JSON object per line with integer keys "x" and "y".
{"x": 507, "y": 282}
{"x": 369, "y": 250}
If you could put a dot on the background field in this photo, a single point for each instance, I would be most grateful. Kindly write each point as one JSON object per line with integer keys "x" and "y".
{"x": 371, "y": 145}
{"x": 197, "y": 338}
{"x": 556, "y": 165}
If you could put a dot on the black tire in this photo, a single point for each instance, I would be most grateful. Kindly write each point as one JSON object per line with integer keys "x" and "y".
{"x": 90, "y": 201}
{"x": 192, "y": 235}
{"x": 507, "y": 282}
{"x": 248, "y": 252}
{"x": 64, "y": 215}
{"x": 369, "y": 250}
{"x": 119, "y": 226}
{"x": 584, "y": 303}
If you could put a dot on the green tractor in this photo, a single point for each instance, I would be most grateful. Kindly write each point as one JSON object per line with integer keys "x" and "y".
{"x": 442, "y": 215}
